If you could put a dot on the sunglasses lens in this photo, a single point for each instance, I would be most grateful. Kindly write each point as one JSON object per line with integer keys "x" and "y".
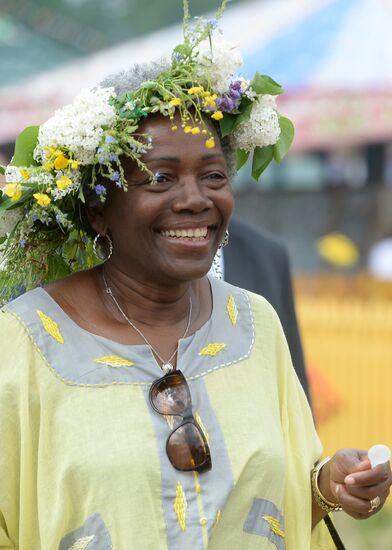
{"x": 187, "y": 449}
{"x": 170, "y": 395}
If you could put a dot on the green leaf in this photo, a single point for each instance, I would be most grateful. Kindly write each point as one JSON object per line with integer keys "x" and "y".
{"x": 25, "y": 144}
{"x": 285, "y": 140}
{"x": 241, "y": 158}
{"x": 2, "y": 169}
{"x": 263, "y": 84}
{"x": 227, "y": 124}
{"x": 7, "y": 204}
{"x": 262, "y": 156}
{"x": 57, "y": 267}
{"x": 231, "y": 121}
{"x": 182, "y": 49}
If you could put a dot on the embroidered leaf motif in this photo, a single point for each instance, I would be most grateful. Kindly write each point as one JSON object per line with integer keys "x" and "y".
{"x": 81, "y": 544}
{"x": 51, "y": 327}
{"x": 275, "y": 525}
{"x": 113, "y": 361}
{"x": 232, "y": 310}
{"x": 202, "y": 427}
{"x": 180, "y": 506}
{"x": 218, "y": 515}
{"x": 212, "y": 349}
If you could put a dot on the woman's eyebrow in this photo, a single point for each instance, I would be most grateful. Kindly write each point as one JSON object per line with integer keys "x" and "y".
{"x": 209, "y": 156}
{"x": 164, "y": 157}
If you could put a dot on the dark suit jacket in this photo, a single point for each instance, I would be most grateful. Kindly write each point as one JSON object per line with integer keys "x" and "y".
{"x": 257, "y": 261}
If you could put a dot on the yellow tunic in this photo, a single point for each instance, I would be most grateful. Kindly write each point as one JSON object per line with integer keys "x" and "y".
{"x": 82, "y": 457}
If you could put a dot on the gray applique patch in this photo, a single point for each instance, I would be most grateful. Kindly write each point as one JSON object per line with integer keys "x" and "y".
{"x": 266, "y": 520}
{"x": 93, "y": 535}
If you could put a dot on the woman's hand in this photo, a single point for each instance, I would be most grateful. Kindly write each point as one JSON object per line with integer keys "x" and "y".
{"x": 349, "y": 479}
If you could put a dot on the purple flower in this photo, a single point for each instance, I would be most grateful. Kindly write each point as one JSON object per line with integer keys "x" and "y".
{"x": 226, "y": 104}
{"x": 109, "y": 139}
{"x": 100, "y": 150}
{"x": 100, "y": 189}
{"x": 23, "y": 243}
{"x": 213, "y": 23}
{"x": 236, "y": 85}
{"x": 35, "y": 217}
{"x": 177, "y": 56}
{"x": 115, "y": 176}
{"x": 113, "y": 158}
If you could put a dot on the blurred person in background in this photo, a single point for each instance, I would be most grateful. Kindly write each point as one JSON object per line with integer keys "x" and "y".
{"x": 258, "y": 261}
{"x": 143, "y": 403}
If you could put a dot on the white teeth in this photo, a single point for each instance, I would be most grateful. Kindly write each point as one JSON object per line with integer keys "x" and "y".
{"x": 198, "y": 233}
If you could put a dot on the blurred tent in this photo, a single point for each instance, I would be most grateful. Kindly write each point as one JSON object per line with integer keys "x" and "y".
{"x": 334, "y": 58}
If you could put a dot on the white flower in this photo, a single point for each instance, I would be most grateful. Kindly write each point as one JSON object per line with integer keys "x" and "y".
{"x": 12, "y": 174}
{"x": 78, "y": 127}
{"x": 9, "y": 219}
{"x": 262, "y": 128}
{"x": 218, "y": 64}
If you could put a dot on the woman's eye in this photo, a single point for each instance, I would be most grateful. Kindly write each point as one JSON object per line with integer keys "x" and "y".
{"x": 215, "y": 177}
{"x": 159, "y": 178}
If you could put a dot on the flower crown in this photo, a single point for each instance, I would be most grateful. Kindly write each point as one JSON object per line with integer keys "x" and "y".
{"x": 43, "y": 232}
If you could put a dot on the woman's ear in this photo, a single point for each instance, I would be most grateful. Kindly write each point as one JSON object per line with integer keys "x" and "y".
{"x": 96, "y": 219}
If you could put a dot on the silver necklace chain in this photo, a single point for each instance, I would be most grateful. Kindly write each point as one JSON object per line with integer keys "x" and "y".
{"x": 166, "y": 365}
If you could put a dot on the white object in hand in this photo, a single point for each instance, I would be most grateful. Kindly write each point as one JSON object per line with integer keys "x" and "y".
{"x": 379, "y": 454}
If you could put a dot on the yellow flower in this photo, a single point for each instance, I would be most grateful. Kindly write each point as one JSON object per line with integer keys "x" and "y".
{"x": 195, "y": 130}
{"x": 209, "y": 101}
{"x": 175, "y": 101}
{"x": 52, "y": 152}
{"x": 13, "y": 191}
{"x": 195, "y": 90}
{"x": 210, "y": 143}
{"x": 24, "y": 173}
{"x": 63, "y": 182}
{"x": 48, "y": 166}
{"x": 61, "y": 162}
{"x": 42, "y": 198}
{"x": 204, "y": 131}
{"x": 74, "y": 164}
{"x": 218, "y": 115}
{"x": 188, "y": 129}
{"x": 174, "y": 128}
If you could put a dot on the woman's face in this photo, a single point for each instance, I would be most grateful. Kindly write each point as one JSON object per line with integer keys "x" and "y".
{"x": 170, "y": 231}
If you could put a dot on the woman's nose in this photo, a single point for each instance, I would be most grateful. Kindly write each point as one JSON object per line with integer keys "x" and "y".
{"x": 191, "y": 195}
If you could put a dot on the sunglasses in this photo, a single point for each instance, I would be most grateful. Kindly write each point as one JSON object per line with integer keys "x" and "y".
{"x": 186, "y": 446}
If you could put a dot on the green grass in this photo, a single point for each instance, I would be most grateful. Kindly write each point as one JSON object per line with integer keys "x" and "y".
{"x": 371, "y": 534}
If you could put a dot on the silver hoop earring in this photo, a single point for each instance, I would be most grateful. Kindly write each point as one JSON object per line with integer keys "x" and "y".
{"x": 98, "y": 249}
{"x": 225, "y": 240}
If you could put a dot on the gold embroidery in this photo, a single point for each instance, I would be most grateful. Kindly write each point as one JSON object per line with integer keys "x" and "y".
{"x": 232, "y": 310}
{"x": 218, "y": 516}
{"x": 82, "y": 543}
{"x": 180, "y": 506}
{"x": 51, "y": 327}
{"x": 275, "y": 525}
{"x": 212, "y": 349}
{"x": 202, "y": 427}
{"x": 113, "y": 361}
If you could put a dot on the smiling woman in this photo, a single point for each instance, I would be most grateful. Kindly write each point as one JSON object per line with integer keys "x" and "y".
{"x": 145, "y": 404}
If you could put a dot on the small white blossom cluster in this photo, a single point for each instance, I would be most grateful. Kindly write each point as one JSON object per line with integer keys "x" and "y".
{"x": 219, "y": 63}
{"x": 262, "y": 128}
{"x": 12, "y": 174}
{"x": 78, "y": 127}
{"x": 9, "y": 219}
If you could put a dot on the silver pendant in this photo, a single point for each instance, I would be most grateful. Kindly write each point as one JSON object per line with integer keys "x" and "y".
{"x": 167, "y": 367}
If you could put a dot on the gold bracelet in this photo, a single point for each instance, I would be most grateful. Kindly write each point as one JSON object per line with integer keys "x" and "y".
{"x": 324, "y": 504}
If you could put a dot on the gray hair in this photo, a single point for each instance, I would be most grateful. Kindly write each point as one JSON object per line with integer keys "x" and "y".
{"x": 131, "y": 79}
